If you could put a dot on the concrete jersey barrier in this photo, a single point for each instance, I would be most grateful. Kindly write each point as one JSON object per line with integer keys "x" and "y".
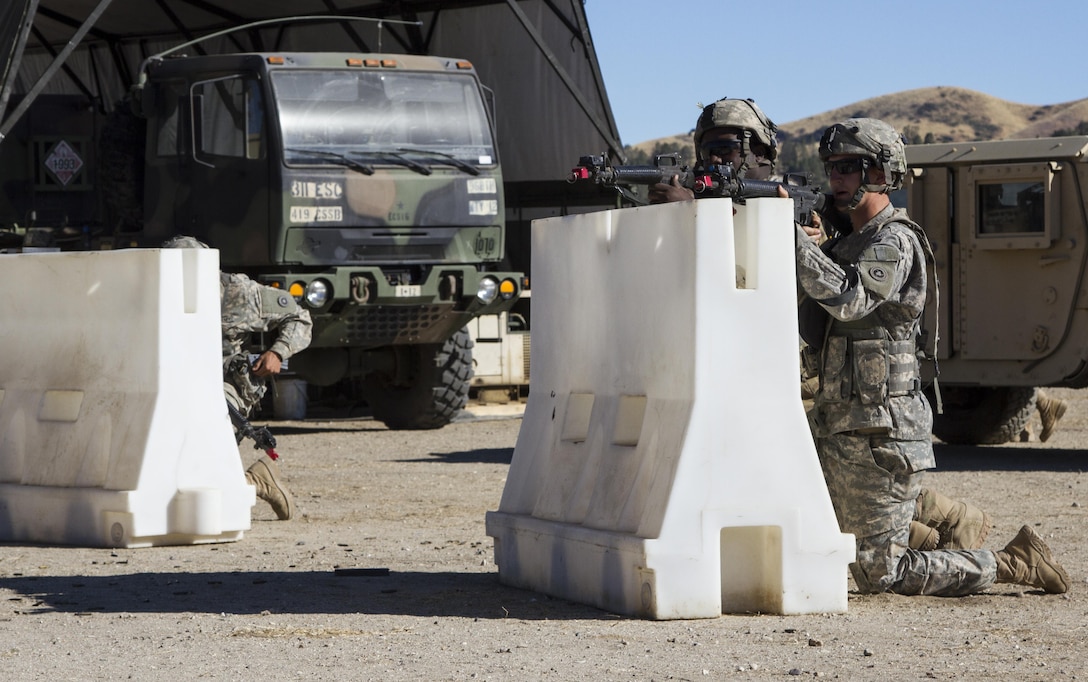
{"x": 664, "y": 467}
{"x": 113, "y": 426}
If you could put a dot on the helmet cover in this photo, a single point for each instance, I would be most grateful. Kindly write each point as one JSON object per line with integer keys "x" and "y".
{"x": 742, "y": 114}
{"x": 872, "y": 139}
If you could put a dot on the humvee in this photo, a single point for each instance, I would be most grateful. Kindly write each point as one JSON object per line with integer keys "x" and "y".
{"x": 1008, "y": 220}
{"x": 366, "y": 185}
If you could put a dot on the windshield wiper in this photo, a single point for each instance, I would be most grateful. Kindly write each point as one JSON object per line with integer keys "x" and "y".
{"x": 336, "y": 158}
{"x": 443, "y": 157}
{"x": 394, "y": 157}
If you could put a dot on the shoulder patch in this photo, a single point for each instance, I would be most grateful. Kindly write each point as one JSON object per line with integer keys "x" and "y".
{"x": 876, "y": 268}
{"x": 277, "y": 300}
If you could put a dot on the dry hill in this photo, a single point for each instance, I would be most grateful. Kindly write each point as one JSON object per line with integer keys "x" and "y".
{"x": 937, "y": 114}
{"x": 953, "y": 115}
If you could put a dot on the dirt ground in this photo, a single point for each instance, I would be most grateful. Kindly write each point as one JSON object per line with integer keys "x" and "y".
{"x": 406, "y": 510}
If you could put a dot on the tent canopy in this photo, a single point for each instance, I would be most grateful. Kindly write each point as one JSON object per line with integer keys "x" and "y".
{"x": 536, "y": 55}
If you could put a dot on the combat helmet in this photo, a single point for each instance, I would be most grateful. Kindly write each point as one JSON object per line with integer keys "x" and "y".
{"x": 871, "y": 139}
{"x": 747, "y": 117}
{"x": 183, "y": 242}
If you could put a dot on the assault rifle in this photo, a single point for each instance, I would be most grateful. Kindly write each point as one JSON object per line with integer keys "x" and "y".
{"x": 262, "y": 437}
{"x": 710, "y": 181}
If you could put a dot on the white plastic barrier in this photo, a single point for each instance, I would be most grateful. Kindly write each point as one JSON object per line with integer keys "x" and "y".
{"x": 113, "y": 426}
{"x": 664, "y": 466}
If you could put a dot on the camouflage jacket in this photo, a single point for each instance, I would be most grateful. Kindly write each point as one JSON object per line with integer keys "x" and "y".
{"x": 872, "y": 283}
{"x": 249, "y": 307}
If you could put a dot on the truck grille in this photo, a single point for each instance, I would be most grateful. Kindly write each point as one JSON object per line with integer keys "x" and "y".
{"x": 384, "y": 325}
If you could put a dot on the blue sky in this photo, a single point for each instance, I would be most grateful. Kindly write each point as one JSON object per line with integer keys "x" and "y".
{"x": 661, "y": 58}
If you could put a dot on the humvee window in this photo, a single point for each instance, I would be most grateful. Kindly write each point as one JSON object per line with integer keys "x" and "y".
{"x": 1012, "y": 205}
{"x": 1011, "y": 208}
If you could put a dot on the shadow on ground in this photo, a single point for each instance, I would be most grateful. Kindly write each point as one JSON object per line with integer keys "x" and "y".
{"x": 464, "y": 595}
{"x": 985, "y": 458}
{"x": 480, "y": 456}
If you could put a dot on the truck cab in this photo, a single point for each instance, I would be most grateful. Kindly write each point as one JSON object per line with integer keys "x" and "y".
{"x": 367, "y": 186}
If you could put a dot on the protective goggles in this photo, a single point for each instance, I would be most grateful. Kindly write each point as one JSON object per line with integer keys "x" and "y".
{"x": 846, "y": 166}
{"x": 722, "y": 149}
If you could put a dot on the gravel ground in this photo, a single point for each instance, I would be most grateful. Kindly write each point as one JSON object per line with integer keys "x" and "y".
{"x": 405, "y": 511}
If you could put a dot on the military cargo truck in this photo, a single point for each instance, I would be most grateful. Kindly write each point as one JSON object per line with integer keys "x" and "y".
{"x": 366, "y": 185}
{"x": 1009, "y": 224}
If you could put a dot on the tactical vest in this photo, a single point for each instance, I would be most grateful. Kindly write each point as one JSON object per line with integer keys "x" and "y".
{"x": 859, "y": 359}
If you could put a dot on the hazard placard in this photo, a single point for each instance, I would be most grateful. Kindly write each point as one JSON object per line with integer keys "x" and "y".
{"x": 63, "y": 162}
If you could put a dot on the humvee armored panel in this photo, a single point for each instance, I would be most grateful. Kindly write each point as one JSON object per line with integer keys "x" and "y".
{"x": 1009, "y": 225}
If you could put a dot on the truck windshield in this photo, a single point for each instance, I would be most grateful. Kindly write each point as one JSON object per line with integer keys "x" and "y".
{"x": 379, "y": 115}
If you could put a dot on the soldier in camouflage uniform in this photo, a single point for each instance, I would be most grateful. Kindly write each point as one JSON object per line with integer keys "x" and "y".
{"x": 871, "y": 421}
{"x": 737, "y": 132}
{"x": 732, "y": 132}
{"x": 248, "y": 307}
{"x": 729, "y": 131}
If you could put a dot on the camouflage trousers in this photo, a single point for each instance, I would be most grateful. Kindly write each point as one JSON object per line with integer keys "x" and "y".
{"x": 243, "y": 390}
{"x": 873, "y": 489}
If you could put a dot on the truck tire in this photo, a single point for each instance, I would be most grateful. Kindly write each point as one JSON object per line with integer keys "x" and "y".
{"x": 440, "y": 390}
{"x": 982, "y": 415}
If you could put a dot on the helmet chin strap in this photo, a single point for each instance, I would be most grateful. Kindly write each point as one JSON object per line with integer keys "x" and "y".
{"x": 745, "y": 153}
{"x": 746, "y": 158}
{"x": 866, "y": 186}
{"x": 856, "y": 199}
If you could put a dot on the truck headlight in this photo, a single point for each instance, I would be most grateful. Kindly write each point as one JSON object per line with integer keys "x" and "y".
{"x": 317, "y": 293}
{"x": 487, "y": 289}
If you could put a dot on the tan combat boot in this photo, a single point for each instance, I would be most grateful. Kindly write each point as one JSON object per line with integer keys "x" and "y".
{"x": 1051, "y": 410}
{"x": 1027, "y": 561}
{"x": 264, "y": 476}
{"x": 961, "y": 525}
{"x": 923, "y": 537}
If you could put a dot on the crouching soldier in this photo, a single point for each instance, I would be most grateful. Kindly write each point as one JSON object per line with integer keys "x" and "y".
{"x": 246, "y": 307}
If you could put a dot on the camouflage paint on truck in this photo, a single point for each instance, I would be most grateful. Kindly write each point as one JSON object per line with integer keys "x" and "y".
{"x": 367, "y": 185}
{"x": 1009, "y": 224}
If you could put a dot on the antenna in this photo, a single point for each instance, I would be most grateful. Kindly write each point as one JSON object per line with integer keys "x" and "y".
{"x": 266, "y": 22}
